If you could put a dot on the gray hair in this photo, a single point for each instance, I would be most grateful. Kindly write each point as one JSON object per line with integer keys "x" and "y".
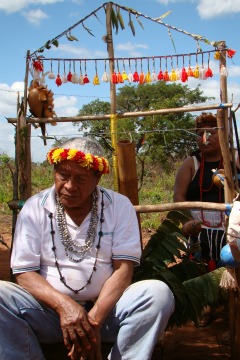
{"x": 84, "y": 144}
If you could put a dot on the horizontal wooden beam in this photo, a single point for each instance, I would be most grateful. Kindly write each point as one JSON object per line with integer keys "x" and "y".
{"x": 31, "y": 120}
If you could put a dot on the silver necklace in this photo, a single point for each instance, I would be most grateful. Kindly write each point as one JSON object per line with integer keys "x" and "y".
{"x": 73, "y": 250}
{"x": 100, "y": 234}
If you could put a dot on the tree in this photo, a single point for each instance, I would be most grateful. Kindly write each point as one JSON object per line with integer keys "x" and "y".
{"x": 167, "y": 137}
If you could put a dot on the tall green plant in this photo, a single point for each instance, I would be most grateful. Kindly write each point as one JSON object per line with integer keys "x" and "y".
{"x": 166, "y": 257}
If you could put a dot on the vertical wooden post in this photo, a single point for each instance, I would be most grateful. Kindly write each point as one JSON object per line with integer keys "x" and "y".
{"x": 234, "y": 298}
{"x": 113, "y": 124}
{"x": 23, "y": 141}
{"x": 128, "y": 182}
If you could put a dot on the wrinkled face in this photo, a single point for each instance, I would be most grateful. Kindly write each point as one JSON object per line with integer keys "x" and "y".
{"x": 208, "y": 140}
{"x": 74, "y": 184}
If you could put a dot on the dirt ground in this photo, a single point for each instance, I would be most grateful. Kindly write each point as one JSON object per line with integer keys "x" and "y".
{"x": 185, "y": 343}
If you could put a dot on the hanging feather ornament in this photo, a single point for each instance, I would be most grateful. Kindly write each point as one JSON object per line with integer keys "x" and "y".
{"x": 96, "y": 80}
{"x": 178, "y": 71}
{"x": 202, "y": 71}
{"x": 105, "y": 77}
{"x": 119, "y": 75}
{"x": 196, "y": 70}
{"x": 166, "y": 74}
{"x": 141, "y": 75}
{"x": 114, "y": 77}
{"x": 64, "y": 76}
{"x": 130, "y": 75}
{"x": 37, "y": 70}
{"x": 217, "y": 55}
{"x": 209, "y": 72}
{"x": 184, "y": 75}
{"x": 86, "y": 79}
{"x": 124, "y": 74}
{"x": 172, "y": 75}
{"x": 69, "y": 75}
{"x": 148, "y": 78}
{"x": 80, "y": 80}
{"x": 75, "y": 79}
{"x": 58, "y": 80}
{"x": 154, "y": 75}
{"x": 51, "y": 74}
{"x": 190, "y": 70}
{"x": 160, "y": 74}
{"x": 135, "y": 74}
{"x": 230, "y": 53}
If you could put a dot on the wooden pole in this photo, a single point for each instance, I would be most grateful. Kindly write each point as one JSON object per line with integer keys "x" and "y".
{"x": 128, "y": 181}
{"x": 113, "y": 117}
{"x": 234, "y": 298}
{"x": 124, "y": 115}
{"x": 23, "y": 143}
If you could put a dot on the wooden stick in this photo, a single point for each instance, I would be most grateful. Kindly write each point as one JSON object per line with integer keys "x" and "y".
{"x": 124, "y": 115}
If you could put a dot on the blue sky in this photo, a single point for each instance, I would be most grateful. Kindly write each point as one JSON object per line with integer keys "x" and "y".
{"x": 28, "y": 24}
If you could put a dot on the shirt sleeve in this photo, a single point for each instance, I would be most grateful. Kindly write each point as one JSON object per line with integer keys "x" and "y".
{"x": 27, "y": 239}
{"x": 126, "y": 237}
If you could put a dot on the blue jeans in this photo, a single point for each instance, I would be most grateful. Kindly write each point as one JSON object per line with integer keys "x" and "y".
{"x": 134, "y": 325}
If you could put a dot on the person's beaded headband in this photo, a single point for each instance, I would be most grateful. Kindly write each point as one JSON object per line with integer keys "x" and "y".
{"x": 88, "y": 160}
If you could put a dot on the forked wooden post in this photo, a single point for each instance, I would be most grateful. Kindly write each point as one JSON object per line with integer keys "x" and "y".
{"x": 222, "y": 118}
{"x": 23, "y": 143}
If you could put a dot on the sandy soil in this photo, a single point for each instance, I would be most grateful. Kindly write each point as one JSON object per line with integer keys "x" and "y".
{"x": 185, "y": 343}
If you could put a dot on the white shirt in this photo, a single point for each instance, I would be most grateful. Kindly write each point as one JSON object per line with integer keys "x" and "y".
{"x": 32, "y": 247}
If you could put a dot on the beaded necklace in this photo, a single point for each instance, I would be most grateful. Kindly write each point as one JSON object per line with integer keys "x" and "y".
{"x": 69, "y": 245}
{"x": 207, "y": 190}
{"x": 86, "y": 247}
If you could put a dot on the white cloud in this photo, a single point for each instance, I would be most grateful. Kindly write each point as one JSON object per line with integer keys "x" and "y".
{"x": 66, "y": 106}
{"x": 19, "y": 5}
{"x": 35, "y": 16}
{"x": 128, "y": 46}
{"x": 208, "y": 9}
{"x": 78, "y": 52}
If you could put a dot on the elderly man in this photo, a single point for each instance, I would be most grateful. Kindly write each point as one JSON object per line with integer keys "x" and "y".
{"x": 74, "y": 251}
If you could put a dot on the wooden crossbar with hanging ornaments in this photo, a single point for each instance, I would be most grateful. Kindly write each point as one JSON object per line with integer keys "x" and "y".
{"x": 133, "y": 70}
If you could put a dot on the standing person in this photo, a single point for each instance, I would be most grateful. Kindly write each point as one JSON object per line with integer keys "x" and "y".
{"x": 75, "y": 247}
{"x": 194, "y": 183}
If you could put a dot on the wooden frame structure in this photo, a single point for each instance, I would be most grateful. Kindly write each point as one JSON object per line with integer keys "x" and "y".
{"x": 23, "y": 153}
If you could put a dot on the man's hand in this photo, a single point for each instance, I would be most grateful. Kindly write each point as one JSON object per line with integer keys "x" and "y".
{"x": 78, "y": 333}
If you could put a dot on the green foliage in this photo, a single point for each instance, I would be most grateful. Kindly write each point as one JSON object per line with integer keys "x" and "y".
{"x": 166, "y": 257}
{"x": 167, "y": 137}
